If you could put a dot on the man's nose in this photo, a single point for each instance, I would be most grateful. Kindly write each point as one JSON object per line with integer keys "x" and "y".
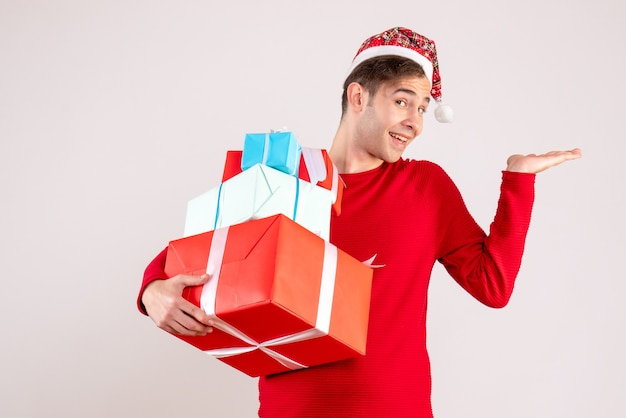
{"x": 414, "y": 122}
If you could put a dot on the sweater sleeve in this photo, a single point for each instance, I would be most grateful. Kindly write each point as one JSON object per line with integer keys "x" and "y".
{"x": 154, "y": 271}
{"x": 487, "y": 266}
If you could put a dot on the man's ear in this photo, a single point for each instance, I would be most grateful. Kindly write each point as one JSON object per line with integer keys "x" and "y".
{"x": 357, "y": 96}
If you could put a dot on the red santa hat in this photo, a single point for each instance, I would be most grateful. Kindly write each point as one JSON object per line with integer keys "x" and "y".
{"x": 409, "y": 44}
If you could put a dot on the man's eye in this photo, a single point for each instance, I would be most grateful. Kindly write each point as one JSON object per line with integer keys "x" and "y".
{"x": 421, "y": 110}
{"x": 401, "y": 102}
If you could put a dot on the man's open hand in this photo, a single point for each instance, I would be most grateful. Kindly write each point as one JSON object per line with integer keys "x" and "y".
{"x": 533, "y": 163}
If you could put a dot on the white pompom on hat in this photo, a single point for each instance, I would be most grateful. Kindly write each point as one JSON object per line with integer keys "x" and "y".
{"x": 408, "y": 44}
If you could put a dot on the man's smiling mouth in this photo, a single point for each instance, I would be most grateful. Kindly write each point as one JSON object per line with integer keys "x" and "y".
{"x": 398, "y": 137}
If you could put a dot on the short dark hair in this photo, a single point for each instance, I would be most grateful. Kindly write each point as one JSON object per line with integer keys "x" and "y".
{"x": 374, "y": 72}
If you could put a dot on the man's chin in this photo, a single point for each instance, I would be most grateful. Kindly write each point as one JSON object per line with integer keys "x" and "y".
{"x": 393, "y": 158}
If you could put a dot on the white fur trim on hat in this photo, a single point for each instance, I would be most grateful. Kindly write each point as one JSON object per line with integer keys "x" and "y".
{"x": 377, "y": 51}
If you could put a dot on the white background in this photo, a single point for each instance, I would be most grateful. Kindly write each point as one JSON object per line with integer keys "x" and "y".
{"x": 114, "y": 113}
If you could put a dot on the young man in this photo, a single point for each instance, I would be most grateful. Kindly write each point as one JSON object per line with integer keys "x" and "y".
{"x": 410, "y": 214}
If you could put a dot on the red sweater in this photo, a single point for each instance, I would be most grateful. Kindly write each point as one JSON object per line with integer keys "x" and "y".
{"x": 410, "y": 214}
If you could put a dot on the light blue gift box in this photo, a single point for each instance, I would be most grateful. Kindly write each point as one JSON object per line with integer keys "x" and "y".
{"x": 256, "y": 193}
{"x": 278, "y": 150}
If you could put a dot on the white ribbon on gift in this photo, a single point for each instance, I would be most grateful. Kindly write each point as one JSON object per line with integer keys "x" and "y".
{"x": 322, "y": 322}
{"x": 266, "y": 148}
{"x": 370, "y": 262}
{"x": 316, "y": 166}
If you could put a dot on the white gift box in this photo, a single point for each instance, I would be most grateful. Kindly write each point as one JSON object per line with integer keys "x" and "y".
{"x": 259, "y": 192}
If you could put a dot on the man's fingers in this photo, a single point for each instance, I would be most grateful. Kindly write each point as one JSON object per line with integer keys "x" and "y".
{"x": 558, "y": 157}
{"x": 188, "y": 319}
{"x": 574, "y": 154}
{"x": 187, "y": 325}
{"x": 199, "y": 315}
{"x": 173, "y": 313}
{"x": 195, "y": 312}
{"x": 177, "y": 321}
{"x": 532, "y": 163}
{"x": 180, "y": 329}
{"x": 189, "y": 308}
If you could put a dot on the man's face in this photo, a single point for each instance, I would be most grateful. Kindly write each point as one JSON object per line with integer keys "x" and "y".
{"x": 392, "y": 118}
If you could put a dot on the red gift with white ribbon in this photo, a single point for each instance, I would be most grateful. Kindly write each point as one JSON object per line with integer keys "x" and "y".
{"x": 281, "y": 297}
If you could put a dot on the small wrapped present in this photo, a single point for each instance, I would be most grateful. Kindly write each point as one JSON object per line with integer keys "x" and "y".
{"x": 281, "y": 297}
{"x": 278, "y": 150}
{"x": 258, "y": 192}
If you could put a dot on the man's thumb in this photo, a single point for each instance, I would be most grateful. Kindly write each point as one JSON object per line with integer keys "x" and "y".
{"x": 194, "y": 280}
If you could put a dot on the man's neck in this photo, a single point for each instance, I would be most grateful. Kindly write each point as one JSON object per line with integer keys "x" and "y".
{"x": 346, "y": 157}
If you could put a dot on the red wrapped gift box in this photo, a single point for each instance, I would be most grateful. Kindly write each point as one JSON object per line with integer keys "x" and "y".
{"x": 281, "y": 297}
{"x": 315, "y": 164}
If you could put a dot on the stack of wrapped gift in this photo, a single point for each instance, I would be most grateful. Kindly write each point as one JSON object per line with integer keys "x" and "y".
{"x": 282, "y": 297}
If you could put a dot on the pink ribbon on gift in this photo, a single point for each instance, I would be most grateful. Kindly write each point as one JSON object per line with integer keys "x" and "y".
{"x": 316, "y": 166}
{"x": 322, "y": 322}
